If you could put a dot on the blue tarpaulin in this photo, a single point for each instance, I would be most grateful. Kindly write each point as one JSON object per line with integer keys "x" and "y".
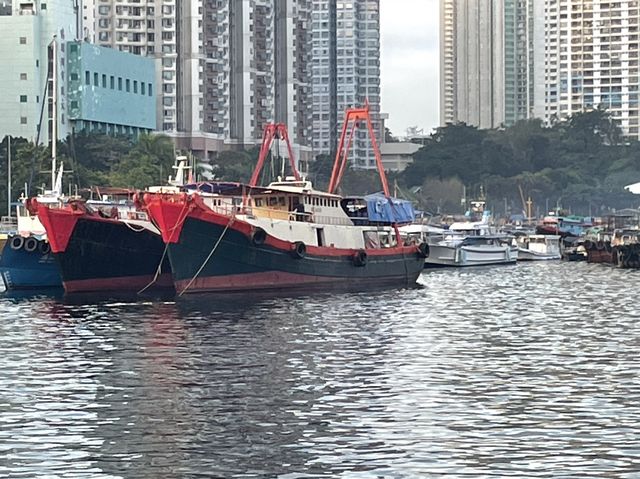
{"x": 385, "y": 210}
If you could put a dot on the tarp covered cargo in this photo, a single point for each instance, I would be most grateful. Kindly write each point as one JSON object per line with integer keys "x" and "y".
{"x": 389, "y": 210}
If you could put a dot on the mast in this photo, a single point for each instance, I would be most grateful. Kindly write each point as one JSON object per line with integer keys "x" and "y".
{"x": 8, "y": 175}
{"x": 54, "y": 104}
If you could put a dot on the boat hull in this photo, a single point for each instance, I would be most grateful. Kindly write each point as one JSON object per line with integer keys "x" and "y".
{"x": 22, "y": 269}
{"x": 238, "y": 264}
{"x": 528, "y": 255}
{"x": 462, "y": 256}
{"x": 105, "y": 255}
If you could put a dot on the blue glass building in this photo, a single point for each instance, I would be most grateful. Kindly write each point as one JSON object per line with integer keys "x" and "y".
{"x": 109, "y": 91}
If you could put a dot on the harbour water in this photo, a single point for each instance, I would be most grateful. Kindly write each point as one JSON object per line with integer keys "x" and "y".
{"x": 516, "y": 371}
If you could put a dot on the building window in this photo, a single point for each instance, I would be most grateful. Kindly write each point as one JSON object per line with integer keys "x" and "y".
{"x": 23, "y": 40}
{"x": 120, "y": 83}
{"x": 135, "y": 86}
{"x": 23, "y": 76}
{"x": 128, "y": 85}
{"x": 23, "y": 120}
{"x": 23, "y": 98}
{"x": 150, "y": 89}
{"x": 74, "y": 104}
{"x": 104, "y": 81}
{"x": 112, "y": 82}
{"x": 74, "y": 77}
{"x": 43, "y": 6}
{"x": 87, "y": 77}
{"x": 95, "y": 79}
{"x": 143, "y": 88}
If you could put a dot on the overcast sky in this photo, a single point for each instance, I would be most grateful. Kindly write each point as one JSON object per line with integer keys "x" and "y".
{"x": 409, "y": 63}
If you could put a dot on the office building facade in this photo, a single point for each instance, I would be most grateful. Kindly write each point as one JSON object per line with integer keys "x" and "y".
{"x": 108, "y": 91}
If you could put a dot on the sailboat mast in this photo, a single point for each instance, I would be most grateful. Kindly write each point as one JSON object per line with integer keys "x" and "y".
{"x": 8, "y": 175}
{"x": 54, "y": 104}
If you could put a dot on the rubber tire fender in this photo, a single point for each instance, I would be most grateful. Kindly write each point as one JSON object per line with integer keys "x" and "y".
{"x": 360, "y": 258}
{"x": 30, "y": 244}
{"x": 17, "y": 242}
{"x": 259, "y": 236}
{"x": 44, "y": 247}
{"x": 299, "y": 250}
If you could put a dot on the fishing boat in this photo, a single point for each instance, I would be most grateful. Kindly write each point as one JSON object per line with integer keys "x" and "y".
{"x": 287, "y": 235}
{"x": 533, "y": 247}
{"x": 108, "y": 244}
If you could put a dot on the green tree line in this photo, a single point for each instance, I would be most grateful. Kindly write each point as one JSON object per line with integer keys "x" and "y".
{"x": 581, "y": 164}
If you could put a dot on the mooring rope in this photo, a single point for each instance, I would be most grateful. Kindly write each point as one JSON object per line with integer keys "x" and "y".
{"x": 209, "y": 256}
{"x": 166, "y": 247}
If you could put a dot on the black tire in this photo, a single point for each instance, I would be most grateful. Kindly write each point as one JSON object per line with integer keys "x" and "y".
{"x": 588, "y": 244}
{"x": 600, "y": 245}
{"x": 30, "y": 244}
{"x": 423, "y": 250}
{"x": 259, "y": 236}
{"x": 17, "y": 242}
{"x": 360, "y": 258}
{"x": 44, "y": 247}
{"x": 299, "y": 250}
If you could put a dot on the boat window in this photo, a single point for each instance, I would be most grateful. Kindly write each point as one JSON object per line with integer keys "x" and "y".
{"x": 258, "y": 202}
{"x": 320, "y": 236}
{"x": 273, "y": 201}
{"x": 281, "y": 201}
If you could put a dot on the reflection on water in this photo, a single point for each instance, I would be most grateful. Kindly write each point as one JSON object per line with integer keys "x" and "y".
{"x": 525, "y": 371}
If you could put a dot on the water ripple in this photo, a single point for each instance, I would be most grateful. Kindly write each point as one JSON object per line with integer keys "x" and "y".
{"x": 525, "y": 371}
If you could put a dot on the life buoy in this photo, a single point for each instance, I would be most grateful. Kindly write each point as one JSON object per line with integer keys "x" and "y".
{"x": 299, "y": 250}
{"x": 423, "y": 250}
{"x": 30, "y": 244}
{"x": 44, "y": 247}
{"x": 360, "y": 258}
{"x": 17, "y": 242}
{"x": 259, "y": 236}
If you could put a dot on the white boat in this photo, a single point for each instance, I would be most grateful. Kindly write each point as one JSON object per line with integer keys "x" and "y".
{"x": 538, "y": 247}
{"x": 470, "y": 244}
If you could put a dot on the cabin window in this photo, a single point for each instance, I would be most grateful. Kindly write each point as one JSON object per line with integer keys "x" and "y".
{"x": 320, "y": 236}
{"x": 273, "y": 201}
{"x": 281, "y": 201}
{"x": 258, "y": 202}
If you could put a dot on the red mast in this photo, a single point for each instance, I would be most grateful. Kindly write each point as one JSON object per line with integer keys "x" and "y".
{"x": 273, "y": 131}
{"x": 353, "y": 115}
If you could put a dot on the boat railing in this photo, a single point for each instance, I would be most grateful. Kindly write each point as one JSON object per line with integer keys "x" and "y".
{"x": 278, "y": 214}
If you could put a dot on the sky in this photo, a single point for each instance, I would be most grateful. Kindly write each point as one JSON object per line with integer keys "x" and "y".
{"x": 409, "y": 63}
